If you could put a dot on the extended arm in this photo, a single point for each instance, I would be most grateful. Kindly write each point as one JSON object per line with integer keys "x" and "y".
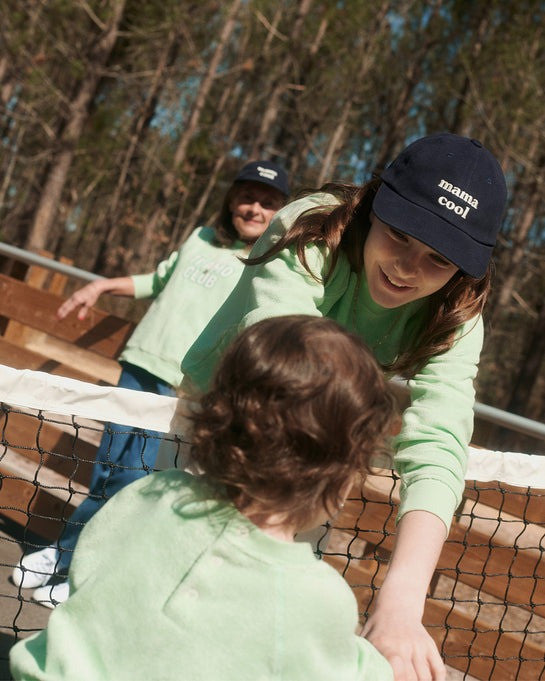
{"x": 136, "y": 286}
{"x": 431, "y": 452}
{"x": 395, "y": 626}
{"x": 84, "y": 298}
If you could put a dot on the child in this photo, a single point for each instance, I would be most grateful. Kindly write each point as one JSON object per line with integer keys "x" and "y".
{"x": 182, "y": 577}
{"x": 403, "y": 262}
{"x": 188, "y": 288}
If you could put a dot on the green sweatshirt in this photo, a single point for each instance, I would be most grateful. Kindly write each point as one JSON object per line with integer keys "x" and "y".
{"x": 166, "y": 585}
{"x": 188, "y": 288}
{"x": 431, "y": 449}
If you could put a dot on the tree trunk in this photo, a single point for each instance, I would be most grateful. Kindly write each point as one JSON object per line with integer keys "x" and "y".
{"x": 524, "y": 384}
{"x": 270, "y": 115}
{"x": 367, "y": 60}
{"x": 55, "y": 181}
{"x": 8, "y": 171}
{"x": 169, "y": 179}
{"x": 518, "y": 251}
{"x": 141, "y": 124}
{"x": 218, "y": 165}
{"x": 529, "y": 369}
{"x": 460, "y": 122}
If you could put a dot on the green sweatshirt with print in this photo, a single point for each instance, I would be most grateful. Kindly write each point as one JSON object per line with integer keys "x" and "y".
{"x": 188, "y": 288}
{"x": 167, "y": 585}
{"x": 431, "y": 448}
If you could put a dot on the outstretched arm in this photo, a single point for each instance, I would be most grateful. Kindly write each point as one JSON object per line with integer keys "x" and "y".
{"x": 395, "y": 626}
{"x": 84, "y": 298}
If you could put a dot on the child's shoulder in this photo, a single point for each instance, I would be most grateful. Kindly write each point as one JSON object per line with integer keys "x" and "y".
{"x": 325, "y": 578}
{"x": 202, "y": 234}
{"x": 165, "y": 487}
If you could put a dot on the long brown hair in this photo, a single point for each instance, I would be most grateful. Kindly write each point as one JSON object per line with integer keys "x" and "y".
{"x": 344, "y": 227}
{"x": 298, "y": 406}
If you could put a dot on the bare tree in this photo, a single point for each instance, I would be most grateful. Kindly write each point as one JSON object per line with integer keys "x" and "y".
{"x": 169, "y": 179}
{"x": 55, "y": 181}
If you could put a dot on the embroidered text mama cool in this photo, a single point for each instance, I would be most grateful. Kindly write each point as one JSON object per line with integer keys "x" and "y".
{"x": 462, "y": 211}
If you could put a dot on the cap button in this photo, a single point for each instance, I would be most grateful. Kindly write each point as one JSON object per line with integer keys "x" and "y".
{"x": 476, "y": 143}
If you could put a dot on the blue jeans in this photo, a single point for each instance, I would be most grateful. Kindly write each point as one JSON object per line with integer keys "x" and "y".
{"x": 125, "y": 454}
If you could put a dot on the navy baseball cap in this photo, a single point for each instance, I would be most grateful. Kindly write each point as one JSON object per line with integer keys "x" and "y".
{"x": 265, "y": 172}
{"x": 448, "y": 192}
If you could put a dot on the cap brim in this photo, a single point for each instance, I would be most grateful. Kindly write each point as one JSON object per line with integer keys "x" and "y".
{"x": 454, "y": 244}
{"x": 265, "y": 181}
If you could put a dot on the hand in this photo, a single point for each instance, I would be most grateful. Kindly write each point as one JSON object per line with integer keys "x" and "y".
{"x": 406, "y": 644}
{"x": 395, "y": 626}
{"x": 84, "y": 299}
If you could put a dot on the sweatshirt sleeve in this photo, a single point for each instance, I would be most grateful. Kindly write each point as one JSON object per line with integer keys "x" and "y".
{"x": 431, "y": 448}
{"x": 274, "y": 288}
{"x": 283, "y": 285}
{"x": 150, "y": 285}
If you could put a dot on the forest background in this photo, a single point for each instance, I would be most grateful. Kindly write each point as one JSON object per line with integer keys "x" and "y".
{"x": 122, "y": 123}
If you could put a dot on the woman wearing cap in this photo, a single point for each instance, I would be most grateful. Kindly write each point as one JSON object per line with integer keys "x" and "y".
{"x": 188, "y": 288}
{"x": 404, "y": 262}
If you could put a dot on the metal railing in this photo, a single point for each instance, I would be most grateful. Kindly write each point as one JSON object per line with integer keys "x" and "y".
{"x": 499, "y": 417}
{"x": 35, "y": 259}
{"x": 493, "y": 415}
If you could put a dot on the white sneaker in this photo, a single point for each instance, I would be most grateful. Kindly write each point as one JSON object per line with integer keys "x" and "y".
{"x": 35, "y": 569}
{"x": 51, "y": 595}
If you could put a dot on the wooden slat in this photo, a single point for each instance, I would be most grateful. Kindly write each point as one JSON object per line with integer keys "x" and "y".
{"x": 516, "y": 501}
{"x": 481, "y": 638}
{"x": 34, "y": 508}
{"x": 516, "y": 576}
{"x": 103, "y": 333}
{"x": 59, "y": 450}
{"x": 15, "y": 465}
{"x": 18, "y": 357}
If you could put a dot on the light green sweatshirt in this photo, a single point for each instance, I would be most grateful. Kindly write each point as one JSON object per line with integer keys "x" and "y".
{"x": 166, "y": 586}
{"x": 431, "y": 449}
{"x": 188, "y": 288}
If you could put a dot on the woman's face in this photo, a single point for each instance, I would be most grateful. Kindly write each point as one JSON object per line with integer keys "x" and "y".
{"x": 253, "y": 206}
{"x": 401, "y": 269}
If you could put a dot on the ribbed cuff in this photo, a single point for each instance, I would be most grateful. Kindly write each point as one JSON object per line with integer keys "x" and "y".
{"x": 143, "y": 285}
{"x": 429, "y": 495}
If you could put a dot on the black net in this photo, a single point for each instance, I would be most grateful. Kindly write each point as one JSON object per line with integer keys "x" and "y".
{"x": 486, "y": 604}
{"x": 486, "y": 608}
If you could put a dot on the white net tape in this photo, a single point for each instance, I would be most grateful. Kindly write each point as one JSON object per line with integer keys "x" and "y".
{"x": 491, "y": 569}
{"x": 69, "y": 397}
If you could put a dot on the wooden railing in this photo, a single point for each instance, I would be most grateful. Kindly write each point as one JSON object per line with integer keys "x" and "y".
{"x": 32, "y": 337}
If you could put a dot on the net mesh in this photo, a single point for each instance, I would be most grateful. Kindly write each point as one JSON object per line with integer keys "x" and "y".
{"x": 486, "y": 606}
{"x": 486, "y": 603}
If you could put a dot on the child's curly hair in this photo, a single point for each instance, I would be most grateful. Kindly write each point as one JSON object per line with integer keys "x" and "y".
{"x": 297, "y": 407}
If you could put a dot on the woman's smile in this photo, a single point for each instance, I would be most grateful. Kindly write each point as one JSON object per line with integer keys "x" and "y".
{"x": 401, "y": 269}
{"x": 395, "y": 285}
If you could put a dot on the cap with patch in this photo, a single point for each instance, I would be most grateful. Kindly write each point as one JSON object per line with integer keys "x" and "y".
{"x": 266, "y": 172}
{"x": 449, "y": 192}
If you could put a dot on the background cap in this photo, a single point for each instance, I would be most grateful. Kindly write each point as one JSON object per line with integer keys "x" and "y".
{"x": 448, "y": 192}
{"x": 265, "y": 172}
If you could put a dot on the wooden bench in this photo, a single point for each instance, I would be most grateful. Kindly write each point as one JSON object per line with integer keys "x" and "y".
{"x": 489, "y": 582}
{"x": 33, "y": 338}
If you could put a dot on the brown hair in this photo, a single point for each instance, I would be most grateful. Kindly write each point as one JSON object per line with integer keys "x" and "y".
{"x": 345, "y": 228}
{"x": 297, "y": 406}
{"x": 225, "y": 232}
